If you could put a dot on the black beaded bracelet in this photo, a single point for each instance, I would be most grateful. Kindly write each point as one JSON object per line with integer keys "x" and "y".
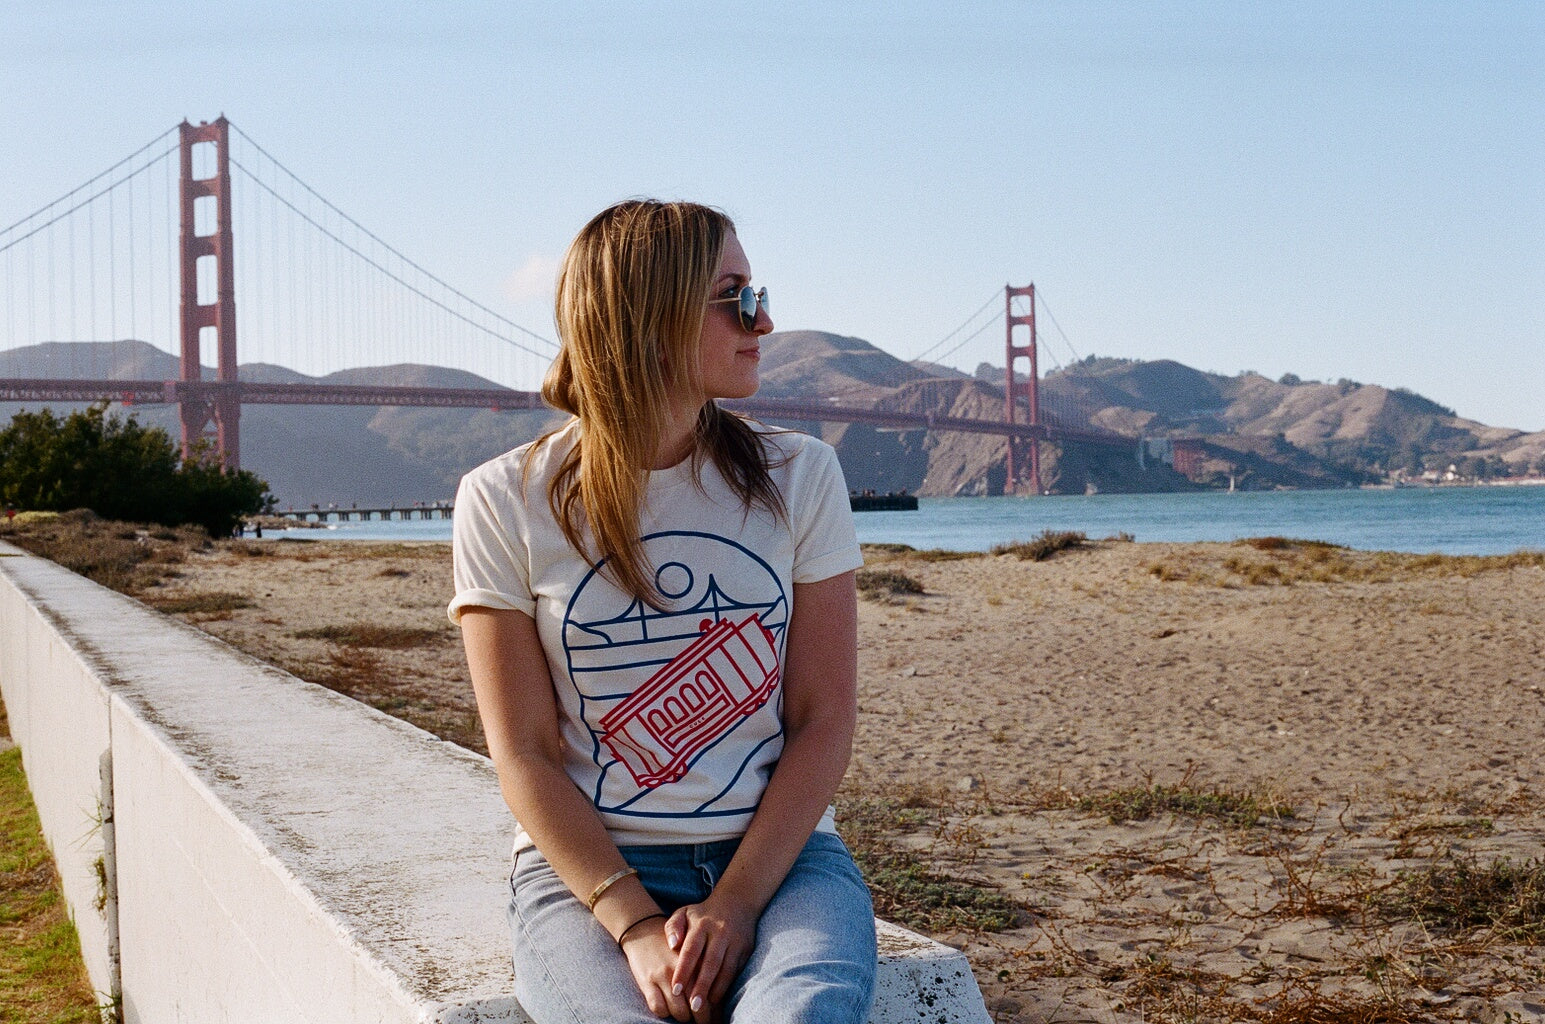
{"x": 635, "y": 924}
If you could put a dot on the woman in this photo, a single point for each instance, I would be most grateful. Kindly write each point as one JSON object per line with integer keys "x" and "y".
{"x": 658, "y": 609}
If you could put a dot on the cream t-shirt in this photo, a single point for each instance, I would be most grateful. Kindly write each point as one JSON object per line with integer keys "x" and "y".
{"x": 671, "y": 720}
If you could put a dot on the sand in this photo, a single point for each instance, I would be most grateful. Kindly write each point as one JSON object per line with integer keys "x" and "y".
{"x": 1394, "y": 705}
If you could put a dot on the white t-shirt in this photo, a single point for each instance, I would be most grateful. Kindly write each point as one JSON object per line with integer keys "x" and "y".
{"x": 672, "y": 721}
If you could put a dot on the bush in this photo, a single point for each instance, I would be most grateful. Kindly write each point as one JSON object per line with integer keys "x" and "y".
{"x": 120, "y": 470}
{"x": 886, "y": 583}
{"x": 1042, "y": 547}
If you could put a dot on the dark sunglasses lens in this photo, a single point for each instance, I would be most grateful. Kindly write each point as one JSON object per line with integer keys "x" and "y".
{"x": 749, "y": 300}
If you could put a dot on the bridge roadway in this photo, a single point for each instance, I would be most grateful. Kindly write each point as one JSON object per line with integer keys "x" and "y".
{"x": 157, "y": 392}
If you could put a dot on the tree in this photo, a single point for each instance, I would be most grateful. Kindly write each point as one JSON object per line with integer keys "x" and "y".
{"x": 120, "y": 470}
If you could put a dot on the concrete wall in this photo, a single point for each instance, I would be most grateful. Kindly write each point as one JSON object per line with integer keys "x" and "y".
{"x": 275, "y": 851}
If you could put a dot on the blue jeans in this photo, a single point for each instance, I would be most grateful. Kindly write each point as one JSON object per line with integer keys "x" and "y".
{"x": 814, "y": 959}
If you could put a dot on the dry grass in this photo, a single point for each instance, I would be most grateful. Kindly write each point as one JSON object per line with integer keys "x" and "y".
{"x": 370, "y": 634}
{"x": 1043, "y": 547}
{"x": 1282, "y": 561}
{"x": 910, "y": 886}
{"x": 1463, "y": 893}
{"x": 215, "y": 602}
{"x": 1243, "y": 810}
{"x": 886, "y": 584}
{"x": 907, "y": 553}
{"x": 126, "y": 557}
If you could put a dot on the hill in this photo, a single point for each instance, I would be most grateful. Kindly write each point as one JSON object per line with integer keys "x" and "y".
{"x": 1258, "y": 432}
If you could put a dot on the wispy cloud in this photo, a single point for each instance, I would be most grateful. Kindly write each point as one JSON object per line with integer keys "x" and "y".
{"x": 533, "y": 280}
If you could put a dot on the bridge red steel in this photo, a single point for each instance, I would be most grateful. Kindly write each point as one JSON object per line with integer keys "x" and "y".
{"x": 210, "y": 410}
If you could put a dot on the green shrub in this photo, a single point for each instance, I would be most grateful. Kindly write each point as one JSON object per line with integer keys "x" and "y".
{"x": 120, "y": 470}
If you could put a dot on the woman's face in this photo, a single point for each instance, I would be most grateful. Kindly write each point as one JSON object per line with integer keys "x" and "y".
{"x": 728, "y": 354}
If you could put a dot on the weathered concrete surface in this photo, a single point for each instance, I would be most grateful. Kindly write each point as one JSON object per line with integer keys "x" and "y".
{"x": 282, "y": 852}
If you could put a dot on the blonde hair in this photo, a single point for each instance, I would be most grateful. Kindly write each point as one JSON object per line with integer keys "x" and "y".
{"x": 631, "y": 298}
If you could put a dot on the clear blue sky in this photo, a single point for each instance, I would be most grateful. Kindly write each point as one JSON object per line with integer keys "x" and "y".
{"x": 1334, "y": 189}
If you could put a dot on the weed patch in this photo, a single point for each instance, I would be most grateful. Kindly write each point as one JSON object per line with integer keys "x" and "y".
{"x": 1464, "y": 893}
{"x": 904, "y": 887}
{"x": 1283, "y": 561}
{"x": 212, "y": 602}
{"x": 369, "y": 634}
{"x": 907, "y": 553}
{"x": 1043, "y": 547}
{"x": 1243, "y": 810}
{"x": 886, "y": 583}
{"x": 126, "y": 557}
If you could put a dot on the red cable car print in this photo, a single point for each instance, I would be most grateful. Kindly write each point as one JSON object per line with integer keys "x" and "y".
{"x": 693, "y": 700}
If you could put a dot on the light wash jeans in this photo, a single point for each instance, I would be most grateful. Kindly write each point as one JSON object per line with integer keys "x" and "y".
{"x": 814, "y": 960}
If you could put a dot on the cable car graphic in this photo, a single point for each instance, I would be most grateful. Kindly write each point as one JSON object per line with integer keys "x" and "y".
{"x": 693, "y": 700}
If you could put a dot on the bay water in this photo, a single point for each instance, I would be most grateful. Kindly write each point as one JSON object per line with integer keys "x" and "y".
{"x": 1451, "y": 520}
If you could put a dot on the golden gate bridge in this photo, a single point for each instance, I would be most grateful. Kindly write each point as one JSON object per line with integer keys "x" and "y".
{"x": 143, "y": 251}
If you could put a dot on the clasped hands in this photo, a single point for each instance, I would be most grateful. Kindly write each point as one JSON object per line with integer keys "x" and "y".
{"x": 684, "y": 964}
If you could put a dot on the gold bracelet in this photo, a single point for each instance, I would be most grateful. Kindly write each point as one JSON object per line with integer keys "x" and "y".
{"x": 600, "y": 890}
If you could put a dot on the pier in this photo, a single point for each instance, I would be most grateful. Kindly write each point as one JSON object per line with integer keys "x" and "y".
{"x": 332, "y": 513}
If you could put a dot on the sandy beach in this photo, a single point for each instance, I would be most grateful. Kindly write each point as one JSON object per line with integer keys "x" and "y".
{"x": 1179, "y": 782}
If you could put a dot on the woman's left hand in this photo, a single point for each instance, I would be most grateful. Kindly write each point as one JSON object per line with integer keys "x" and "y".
{"x": 713, "y": 940}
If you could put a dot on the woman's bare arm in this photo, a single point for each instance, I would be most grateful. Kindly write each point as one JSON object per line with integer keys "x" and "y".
{"x": 820, "y": 685}
{"x": 519, "y": 710}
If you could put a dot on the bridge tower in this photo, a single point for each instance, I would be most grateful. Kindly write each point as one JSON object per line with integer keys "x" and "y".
{"x": 204, "y": 403}
{"x": 1015, "y": 389}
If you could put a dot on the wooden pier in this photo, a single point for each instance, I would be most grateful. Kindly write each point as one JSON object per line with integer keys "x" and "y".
{"x": 332, "y": 513}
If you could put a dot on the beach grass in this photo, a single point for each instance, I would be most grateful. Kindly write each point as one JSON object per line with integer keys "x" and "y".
{"x": 1049, "y": 543}
{"x": 1240, "y": 809}
{"x": 886, "y": 584}
{"x": 906, "y": 885}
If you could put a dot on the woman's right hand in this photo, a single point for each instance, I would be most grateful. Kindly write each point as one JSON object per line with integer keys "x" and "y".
{"x": 652, "y": 962}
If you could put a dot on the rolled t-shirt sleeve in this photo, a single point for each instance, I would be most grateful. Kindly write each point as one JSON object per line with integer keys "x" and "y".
{"x": 825, "y": 544}
{"x": 491, "y": 567}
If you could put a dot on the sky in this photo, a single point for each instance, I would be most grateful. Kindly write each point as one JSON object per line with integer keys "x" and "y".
{"x": 1329, "y": 189}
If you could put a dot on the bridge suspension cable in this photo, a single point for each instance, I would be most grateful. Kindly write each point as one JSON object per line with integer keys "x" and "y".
{"x": 91, "y": 181}
{"x": 1053, "y": 317}
{"x": 553, "y": 345}
{"x": 71, "y": 266}
{"x": 991, "y": 300}
{"x": 320, "y": 293}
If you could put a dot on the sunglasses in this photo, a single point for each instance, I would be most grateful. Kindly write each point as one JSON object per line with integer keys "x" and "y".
{"x": 749, "y": 302}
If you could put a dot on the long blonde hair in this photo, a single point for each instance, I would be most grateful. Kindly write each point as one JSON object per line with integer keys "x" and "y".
{"x": 631, "y": 298}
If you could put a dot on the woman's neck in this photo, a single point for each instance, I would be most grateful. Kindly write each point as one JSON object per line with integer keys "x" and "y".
{"x": 679, "y": 437}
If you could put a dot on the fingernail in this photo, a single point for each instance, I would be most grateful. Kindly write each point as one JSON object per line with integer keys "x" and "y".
{"x": 677, "y": 990}
{"x": 697, "y": 1003}
{"x": 671, "y": 940}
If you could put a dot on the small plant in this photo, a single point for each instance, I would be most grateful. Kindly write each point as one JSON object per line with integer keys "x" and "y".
{"x": 212, "y": 602}
{"x": 907, "y": 553}
{"x": 886, "y": 583}
{"x": 1244, "y": 810}
{"x": 904, "y": 887}
{"x": 1286, "y": 544}
{"x": 1042, "y": 547}
{"x": 369, "y": 634}
{"x": 1468, "y": 894}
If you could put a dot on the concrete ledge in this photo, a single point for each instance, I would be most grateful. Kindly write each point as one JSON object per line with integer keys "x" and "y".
{"x": 236, "y": 844}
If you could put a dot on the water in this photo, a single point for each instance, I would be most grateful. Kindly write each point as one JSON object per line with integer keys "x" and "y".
{"x": 1451, "y": 520}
